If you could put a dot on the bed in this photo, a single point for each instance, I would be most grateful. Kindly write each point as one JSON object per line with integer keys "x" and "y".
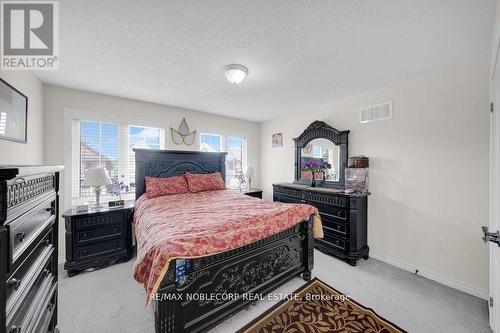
{"x": 255, "y": 268}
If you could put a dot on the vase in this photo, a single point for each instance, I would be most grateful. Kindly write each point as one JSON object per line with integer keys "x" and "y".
{"x": 313, "y": 180}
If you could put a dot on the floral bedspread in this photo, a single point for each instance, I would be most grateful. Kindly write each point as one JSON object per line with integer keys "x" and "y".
{"x": 192, "y": 225}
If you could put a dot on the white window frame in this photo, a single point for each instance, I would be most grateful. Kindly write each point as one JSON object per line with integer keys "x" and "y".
{"x": 71, "y": 114}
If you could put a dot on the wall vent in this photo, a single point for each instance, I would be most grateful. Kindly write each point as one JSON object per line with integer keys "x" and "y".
{"x": 375, "y": 112}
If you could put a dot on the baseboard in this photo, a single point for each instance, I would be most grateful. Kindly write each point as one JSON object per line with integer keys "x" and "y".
{"x": 444, "y": 280}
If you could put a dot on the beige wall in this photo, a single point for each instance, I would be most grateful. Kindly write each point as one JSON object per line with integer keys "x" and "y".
{"x": 428, "y": 171}
{"x": 60, "y": 104}
{"x": 32, "y": 151}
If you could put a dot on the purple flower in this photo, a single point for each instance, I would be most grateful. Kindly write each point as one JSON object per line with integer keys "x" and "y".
{"x": 316, "y": 165}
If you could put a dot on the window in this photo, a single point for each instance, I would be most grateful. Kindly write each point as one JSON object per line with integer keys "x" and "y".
{"x": 210, "y": 142}
{"x": 236, "y": 159}
{"x": 110, "y": 146}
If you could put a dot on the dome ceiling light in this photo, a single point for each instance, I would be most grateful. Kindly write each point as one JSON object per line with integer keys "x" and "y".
{"x": 235, "y": 73}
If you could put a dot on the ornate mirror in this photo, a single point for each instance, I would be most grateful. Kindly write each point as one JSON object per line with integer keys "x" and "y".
{"x": 321, "y": 156}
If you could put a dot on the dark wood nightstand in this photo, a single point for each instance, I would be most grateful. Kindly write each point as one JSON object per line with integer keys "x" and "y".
{"x": 255, "y": 192}
{"x": 95, "y": 239}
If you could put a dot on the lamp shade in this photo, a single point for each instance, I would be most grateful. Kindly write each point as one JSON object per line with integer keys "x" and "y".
{"x": 97, "y": 177}
{"x": 249, "y": 171}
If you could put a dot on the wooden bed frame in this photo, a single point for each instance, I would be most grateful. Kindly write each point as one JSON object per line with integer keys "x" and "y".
{"x": 254, "y": 269}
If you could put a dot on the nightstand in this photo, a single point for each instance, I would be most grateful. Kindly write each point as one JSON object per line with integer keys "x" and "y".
{"x": 95, "y": 239}
{"x": 255, "y": 192}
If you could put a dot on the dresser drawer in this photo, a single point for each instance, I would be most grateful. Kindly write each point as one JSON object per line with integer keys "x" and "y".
{"x": 23, "y": 314}
{"x": 288, "y": 192}
{"x": 327, "y": 199}
{"x": 329, "y": 213}
{"x": 44, "y": 309}
{"x": 337, "y": 228}
{"x": 100, "y": 250}
{"x": 285, "y": 199}
{"x": 334, "y": 241}
{"x": 25, "y": 229}
{"x": 106, "y": 232}
{"x": 20, "y": 282}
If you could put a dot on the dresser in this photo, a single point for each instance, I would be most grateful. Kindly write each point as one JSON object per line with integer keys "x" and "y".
{"x": 96, "y": 239}
{"x": 29, "y": 210}
{"x": 344, "y": 218}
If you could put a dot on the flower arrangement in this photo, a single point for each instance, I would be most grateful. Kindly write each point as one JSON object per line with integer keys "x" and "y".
{"x": 241, "y": 179}
{"x": 316, "y": 166}
{"x": 117, "y": 186}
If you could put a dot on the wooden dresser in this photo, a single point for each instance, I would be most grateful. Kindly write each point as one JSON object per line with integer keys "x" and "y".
{"x": 344, "y": 218}
{"x": 29, "y": 210}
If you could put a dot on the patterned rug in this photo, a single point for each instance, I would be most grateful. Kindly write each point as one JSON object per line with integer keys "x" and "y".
{"x": 318, "y": 308}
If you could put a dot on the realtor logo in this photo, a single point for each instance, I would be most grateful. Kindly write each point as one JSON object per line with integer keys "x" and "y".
{"x": 30, "y": 35}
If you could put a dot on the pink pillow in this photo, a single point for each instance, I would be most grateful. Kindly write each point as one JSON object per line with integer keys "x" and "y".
{"x": 199, "y": 182}
{"x": 157, "y": 187}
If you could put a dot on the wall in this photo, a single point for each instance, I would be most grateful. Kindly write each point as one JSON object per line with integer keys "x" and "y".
{"x": 32, "y": 151}
{"x": 63, "y": 104}
{"x": 428, "y": 171}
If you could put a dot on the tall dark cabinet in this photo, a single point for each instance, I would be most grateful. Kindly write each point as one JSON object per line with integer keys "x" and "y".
{"x": 344, "y": 215}
{"x": 29, "y": 210}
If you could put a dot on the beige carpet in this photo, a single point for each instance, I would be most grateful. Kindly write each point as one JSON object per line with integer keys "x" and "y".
{"x": 109, "y": 300}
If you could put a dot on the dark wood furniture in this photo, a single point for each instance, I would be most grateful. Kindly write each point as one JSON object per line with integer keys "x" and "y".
{"x": 96, "y": 239}
{"x": 255, "y": 192}
{"x": 344, "y": 218}
{"x": 255, "y": 268}
{"x": 29, "y": 210}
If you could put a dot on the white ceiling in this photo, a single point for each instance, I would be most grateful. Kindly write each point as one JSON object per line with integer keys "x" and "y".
{"x": 300, "y": 54}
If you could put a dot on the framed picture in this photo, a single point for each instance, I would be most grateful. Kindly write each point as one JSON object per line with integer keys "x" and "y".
{"x": 13, "y": 113}
{"x": 278, "y": 140}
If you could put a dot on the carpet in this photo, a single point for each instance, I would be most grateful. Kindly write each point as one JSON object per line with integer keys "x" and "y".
{"x": 317, "y": 308}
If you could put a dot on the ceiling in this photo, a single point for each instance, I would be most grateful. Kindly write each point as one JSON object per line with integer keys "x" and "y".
{"x": 300, "y": 54}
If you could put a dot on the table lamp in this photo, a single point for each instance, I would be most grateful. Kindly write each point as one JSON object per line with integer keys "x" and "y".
{"x": 249, "y": 174}
{"x": 96, "y": 178}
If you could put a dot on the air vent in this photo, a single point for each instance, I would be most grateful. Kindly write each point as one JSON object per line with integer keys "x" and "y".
{"x": 376, "y": 112}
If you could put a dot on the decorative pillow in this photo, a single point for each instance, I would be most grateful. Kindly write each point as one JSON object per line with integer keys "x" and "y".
{"x": 199, "y": 182}
{"x": 157, "y": 187}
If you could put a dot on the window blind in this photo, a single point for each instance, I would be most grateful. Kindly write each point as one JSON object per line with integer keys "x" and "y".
{"x": 109, "y": 146}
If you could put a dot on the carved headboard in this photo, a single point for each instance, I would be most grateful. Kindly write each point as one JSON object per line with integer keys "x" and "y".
{"x": 169, "y": 163}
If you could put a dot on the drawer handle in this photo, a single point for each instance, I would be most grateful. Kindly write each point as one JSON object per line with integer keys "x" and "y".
{"x": 339, "y": 213}
{"x": 84, "y": 235}
{"x": 46, "y": 272}
{"x": 85, "y": 252}
{"x": 115, "y": 230}
{"x": 50, "y": 307}
{"x": 20, "y": 236}
{"x": 14, "y": 283}
{"x": 338, "y": 227}
{"x": 15, "y": 329}
{"x": 46, "y": 242}
{"x": 51, "y": 210}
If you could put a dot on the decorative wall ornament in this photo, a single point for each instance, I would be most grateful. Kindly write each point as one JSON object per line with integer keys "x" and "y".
{"x": 182, "y": 135}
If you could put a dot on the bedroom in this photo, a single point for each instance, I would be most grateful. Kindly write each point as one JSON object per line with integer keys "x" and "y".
{"x": 133, "y": 90}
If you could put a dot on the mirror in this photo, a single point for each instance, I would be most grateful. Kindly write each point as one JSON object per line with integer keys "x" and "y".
{"x": 322, "y": 149}
{"x": 320, "y": 152}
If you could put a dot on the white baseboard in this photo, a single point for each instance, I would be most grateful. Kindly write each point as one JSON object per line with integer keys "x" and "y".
{"x": 444, "y": 280}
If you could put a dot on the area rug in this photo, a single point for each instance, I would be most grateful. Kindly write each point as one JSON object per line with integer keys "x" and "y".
{"x": 319, "y": 308}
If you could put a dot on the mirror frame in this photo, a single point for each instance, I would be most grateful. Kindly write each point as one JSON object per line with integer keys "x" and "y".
{"x": 321, "y": 130}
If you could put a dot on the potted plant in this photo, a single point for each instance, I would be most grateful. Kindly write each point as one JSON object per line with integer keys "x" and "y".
{"x": 317, "y": 170}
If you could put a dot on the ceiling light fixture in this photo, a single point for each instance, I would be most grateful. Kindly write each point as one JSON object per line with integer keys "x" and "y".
{"x": 235, "y": 73}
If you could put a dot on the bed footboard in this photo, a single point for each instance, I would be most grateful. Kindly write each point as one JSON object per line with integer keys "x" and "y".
{"x": 222, "y": 284}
